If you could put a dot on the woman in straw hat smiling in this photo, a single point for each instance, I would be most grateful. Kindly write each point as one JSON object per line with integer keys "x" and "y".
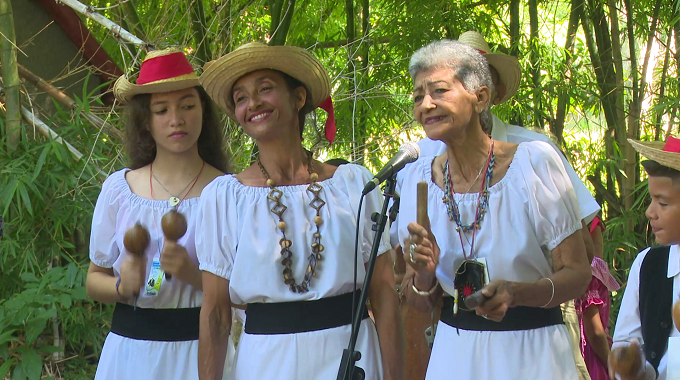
{"x": 174, "y": 145}
{"x": 280, "y": 235}
{"x": 504, "y": 225}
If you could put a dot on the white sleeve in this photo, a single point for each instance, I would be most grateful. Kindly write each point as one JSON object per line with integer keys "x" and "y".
{"x": 550, "y": 195}
{"x": 628, "y": 325}
{"x": 356, "y": 177}
{"x": 216, "y": 228}
{"x": 103, "y": 247}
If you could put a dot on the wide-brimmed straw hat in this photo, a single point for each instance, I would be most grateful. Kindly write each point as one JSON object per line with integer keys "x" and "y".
{"x": 507, "y": 66}
{"x": 665, "y": 153}
{"x": 219, "y": 76}
{"x": 161, "y": 71}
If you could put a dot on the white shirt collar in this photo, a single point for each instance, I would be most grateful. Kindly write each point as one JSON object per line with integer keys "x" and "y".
{"x": 673, "y": 261}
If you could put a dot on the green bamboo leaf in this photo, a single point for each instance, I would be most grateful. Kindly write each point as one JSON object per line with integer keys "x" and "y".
{"x": 31, "y": 364}
{"x": 8, "y": 194}
{"x": 41, "y": 162}
{"x": 49, "y": 350}
{"x": 34, "y": 327}
{"x": 4, "y": 369}
{"x": 24, "y": 197}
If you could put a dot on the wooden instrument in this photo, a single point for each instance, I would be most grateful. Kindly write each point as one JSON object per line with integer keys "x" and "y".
{"x": 676, "y": 315}
{"x": 421, "y": 213}
{"x": 626, "y": 361}
{"x": 174, "y": 226}
{"x": 136, "y": 240}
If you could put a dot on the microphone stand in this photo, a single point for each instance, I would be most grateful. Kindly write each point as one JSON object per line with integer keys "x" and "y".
{"x": 348, "y": 368}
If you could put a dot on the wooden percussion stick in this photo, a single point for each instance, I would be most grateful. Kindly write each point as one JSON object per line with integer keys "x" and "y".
{"x": 421, "y": 213}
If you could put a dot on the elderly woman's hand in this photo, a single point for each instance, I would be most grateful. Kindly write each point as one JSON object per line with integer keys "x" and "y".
{"x": 500, "y": 296}
{"x": 421, "y": 252}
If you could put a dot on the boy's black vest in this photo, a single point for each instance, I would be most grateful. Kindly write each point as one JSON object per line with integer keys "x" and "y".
{"x": 656, "y": 303}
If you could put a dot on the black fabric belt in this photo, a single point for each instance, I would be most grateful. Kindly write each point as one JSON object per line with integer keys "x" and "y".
{"x": 167, "y": 325}
{"x": 300, "y": 316}
{"x": 516, "y": 318}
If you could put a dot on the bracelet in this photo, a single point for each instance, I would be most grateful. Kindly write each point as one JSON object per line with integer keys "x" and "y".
{"x": 118, "y": 284}
{"x": 553, "y": 291}
{"x": 422, "y": 293}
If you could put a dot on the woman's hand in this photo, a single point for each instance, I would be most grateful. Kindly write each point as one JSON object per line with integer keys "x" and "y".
{"x": 500, "y": 296}
{"x": 132, "y": 276}
{"x": 421, "y": 252}
{"x": 175, "y": 261}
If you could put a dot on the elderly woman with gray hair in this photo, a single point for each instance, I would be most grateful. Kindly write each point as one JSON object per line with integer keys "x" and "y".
{"x": 504, "y": 231}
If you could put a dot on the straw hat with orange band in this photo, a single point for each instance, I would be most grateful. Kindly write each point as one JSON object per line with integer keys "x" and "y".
{"x": 161, "y": 71}
{"x": 219, "y": 76}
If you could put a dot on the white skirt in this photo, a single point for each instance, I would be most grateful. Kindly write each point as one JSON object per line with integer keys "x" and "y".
{"x": 543, "y": 353}
{"x": 125, "y": 358}
{"x": 313, "y": 355}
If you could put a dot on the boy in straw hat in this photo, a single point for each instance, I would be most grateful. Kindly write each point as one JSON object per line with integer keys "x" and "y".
{"x": 174, "y": 148}
{"x": 654, "y": 278}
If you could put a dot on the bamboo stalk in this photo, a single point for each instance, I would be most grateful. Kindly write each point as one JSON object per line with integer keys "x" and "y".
{"x": 203, "y": 51}
{"x": 117, "y": 30}
{"x": 67, "y": 101}
{"x": 8, "y": 57}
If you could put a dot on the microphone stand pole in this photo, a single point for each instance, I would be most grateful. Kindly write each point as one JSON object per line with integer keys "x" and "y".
{"x": 348, "y": 368}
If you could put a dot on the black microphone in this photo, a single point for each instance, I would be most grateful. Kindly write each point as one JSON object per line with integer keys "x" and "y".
{"x": 407, "y": 153}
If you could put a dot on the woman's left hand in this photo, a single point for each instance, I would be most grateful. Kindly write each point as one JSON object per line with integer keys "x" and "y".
{"x": 175, "y": 260}
{"x": 500, "y": 296}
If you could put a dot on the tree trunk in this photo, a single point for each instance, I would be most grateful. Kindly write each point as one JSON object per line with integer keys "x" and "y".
{"x": 282, "y": 15}
{"x": 662, "y": 88}
{"x": 534, "y": 58}
{"x": 203, "y": 51}
{"x": 514, "y": 45}
{"x": 10, "y": 75}
{"x": 557, "y": 125}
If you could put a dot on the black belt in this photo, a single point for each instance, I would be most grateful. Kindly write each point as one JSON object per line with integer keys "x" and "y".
{"x": 516, "y": 318}
{"x": 300, "y": 316}
{"x": 167, "y": 325}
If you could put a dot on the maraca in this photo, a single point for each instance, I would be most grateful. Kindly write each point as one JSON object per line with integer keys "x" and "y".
{"x": 676, "y": 315}
{"x": 136, "y": 240}
{"x": 174, "y": 226}
{"x": 626, "y": 361}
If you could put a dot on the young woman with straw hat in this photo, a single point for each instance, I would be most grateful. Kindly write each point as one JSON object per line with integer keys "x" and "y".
{"x": 174, "y": 146}
{"x": 280, "y": 235}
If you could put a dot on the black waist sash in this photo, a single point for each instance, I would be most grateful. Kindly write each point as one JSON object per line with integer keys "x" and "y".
{"x": 516, "y": 318}
{"x": 300, "y": 316}
{"x": 167, "y": 325}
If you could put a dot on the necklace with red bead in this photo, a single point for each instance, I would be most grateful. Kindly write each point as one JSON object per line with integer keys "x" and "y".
{"x": 278, "y": 209}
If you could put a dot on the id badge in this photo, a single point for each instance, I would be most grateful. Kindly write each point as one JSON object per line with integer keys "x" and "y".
{"x": 153, "y": 284}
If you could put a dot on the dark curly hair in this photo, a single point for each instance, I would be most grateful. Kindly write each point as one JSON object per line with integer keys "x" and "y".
{"x": 141, "y": 147}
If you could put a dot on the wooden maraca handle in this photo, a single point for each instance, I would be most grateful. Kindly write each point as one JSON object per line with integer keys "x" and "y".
{"x": 475, "y": 299}
{"x": 174, "y": 226}
{"x": 421, "y": 212}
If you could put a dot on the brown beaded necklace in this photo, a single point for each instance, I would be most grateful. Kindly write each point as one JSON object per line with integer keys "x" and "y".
{"x": 278, "y": 209}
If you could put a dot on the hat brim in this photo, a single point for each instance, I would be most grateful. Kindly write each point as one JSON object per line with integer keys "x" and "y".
{"x": 509, "y": 72}
{"x": 124, "y": 90}
{"x": 219, "y": 76}
{"x": 653, "y": 150}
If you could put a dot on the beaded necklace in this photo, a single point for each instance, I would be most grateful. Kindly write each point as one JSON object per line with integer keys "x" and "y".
{"x": 482, "y": 201}
{"x": 278, "y": 209}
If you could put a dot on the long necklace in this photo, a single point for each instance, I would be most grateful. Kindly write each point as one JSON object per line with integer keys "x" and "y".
{"x": 482, "y": 201}
{"x": 174, "y": 199}
{"x": 278, "y": 209}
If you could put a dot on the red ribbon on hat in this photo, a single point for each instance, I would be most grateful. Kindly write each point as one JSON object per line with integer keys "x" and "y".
{"x": 164, "y": 67}
{"x": 329, "y": 129}
{"x": 672, "y": 145}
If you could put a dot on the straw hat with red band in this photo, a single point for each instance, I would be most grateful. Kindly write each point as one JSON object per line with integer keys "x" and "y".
{"x": 162, "y": 71}
{"x": 665, "y": 153}
{"x": 219, "y": 76}
{"x": 507, "y": 66}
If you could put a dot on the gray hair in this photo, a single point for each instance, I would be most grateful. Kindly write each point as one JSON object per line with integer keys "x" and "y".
{"x": 468, "y": 66}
